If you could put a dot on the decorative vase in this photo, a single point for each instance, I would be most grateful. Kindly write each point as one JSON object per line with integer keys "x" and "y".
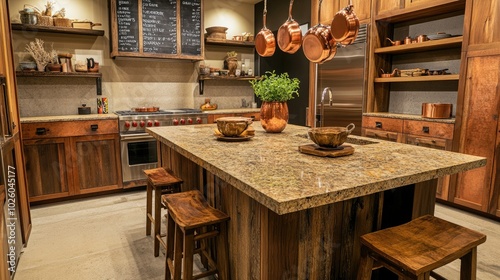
{"x": 41, "y": 67}
{"x": 232, "y": 64}
{"x": 274, "y": 116}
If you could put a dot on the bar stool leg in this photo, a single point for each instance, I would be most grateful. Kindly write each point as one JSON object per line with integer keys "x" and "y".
{"x": 468, "y": 265}
{"x": 365, "y": 265}
{"x": 188, "y": 254}
{"x": 157, "y": 222}
{"x": 149, "y": 207}
{"x": 178, "y": 253}
{"x": 169, "y": 255}
{"x": 222, "y": 252}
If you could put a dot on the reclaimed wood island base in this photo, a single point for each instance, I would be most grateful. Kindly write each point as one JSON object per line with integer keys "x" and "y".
{"x": 298, "y": 216}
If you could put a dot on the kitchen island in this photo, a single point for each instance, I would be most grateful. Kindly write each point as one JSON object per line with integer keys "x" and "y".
{"x": 298, "y": 216}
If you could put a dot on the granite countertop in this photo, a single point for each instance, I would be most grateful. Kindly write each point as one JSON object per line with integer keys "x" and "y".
{"x": 408, "y": 117}
{"x": 68, "y": 118}
{"x": 232, "y": 111}
{"x": 270, "y": 169}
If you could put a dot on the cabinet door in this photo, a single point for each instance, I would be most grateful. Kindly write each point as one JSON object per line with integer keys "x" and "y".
{"x": 4, "y": 267}
{"x": 479, "y": 132}
{"x": 47, "y": 164}
{"x": 386, "y": 6}
{"x": 96, "y": 163}
{"x": 434, "y": 143}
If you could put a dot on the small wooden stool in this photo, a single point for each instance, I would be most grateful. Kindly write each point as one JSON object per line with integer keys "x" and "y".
{"x": 192, "y": 219}
{"x": 161, "y": 180}
{"x": 414, "y": 249}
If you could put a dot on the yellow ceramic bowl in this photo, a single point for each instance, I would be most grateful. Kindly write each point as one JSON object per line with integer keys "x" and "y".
{"x": 233, "y": 126}
{"x": 330, "y": 136}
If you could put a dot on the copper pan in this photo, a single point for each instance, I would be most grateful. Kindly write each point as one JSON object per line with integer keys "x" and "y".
{"x": 265, "y": 44}
{"x": 289, "y": 34}
{"x": 318, "y": 44}
{"x": 345, "y": 25}
{"x": 437, "y": 110}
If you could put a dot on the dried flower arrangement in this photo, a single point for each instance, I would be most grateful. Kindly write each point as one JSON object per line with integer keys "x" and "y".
{"x": 39, "y": 54}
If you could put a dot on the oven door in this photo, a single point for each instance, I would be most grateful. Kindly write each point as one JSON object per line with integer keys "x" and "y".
{"x": 139, "y": 152}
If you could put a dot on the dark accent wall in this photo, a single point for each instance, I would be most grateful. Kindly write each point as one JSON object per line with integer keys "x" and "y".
{"x": 295, "y": 64}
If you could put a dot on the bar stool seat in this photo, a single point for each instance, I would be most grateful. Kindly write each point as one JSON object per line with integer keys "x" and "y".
{"x": 160, "y": 180}
{"x": 191, "y": 219}
{"x": 414, "y": 249}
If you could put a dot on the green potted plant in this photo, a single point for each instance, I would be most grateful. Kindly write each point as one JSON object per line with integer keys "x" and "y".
{"x": 275, "y": 90}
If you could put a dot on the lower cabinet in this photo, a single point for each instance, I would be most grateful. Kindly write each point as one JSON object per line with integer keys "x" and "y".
{"x": 61, "y": 163}
{"x": 414, "y": 132}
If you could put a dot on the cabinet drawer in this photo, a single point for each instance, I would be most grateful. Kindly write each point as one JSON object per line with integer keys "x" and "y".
{"x": 69, "y": 128}
{"x": 429, "y": 129}
{"x": 381, "y": 134}
{"x": 429, "y": 142}
{"x": 386, "y": 124}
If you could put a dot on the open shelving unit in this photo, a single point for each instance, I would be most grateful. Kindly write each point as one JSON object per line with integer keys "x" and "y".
{"x": 56, "y": 29}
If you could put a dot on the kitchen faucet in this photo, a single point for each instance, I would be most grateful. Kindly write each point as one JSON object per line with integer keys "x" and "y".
{"x": 322, "y": 111}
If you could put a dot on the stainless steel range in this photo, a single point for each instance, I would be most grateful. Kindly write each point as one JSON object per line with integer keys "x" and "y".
{"x": 138, "y": 148}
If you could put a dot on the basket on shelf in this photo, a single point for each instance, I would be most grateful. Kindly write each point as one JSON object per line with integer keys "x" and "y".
{"x": 62, "y": 22}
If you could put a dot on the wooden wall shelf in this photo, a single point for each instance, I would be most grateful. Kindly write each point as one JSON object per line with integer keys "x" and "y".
{"x": 424, "y": 46}
{"x": 58, "y": 74}
{"x": 451, "y": 77}
{"x": 232, "y": 43}
{"x": 228, "y": 78}
{"x": 56, "y": 29}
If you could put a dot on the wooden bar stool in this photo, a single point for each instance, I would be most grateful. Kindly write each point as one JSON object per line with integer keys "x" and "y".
{"x": 162, "y": 181}
{"x": 414, "y": 249}
{"x": 191, "y": 219}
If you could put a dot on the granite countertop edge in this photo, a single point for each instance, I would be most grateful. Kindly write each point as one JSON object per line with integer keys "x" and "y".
{"x": 68, "y": 118}
{"x": 408, "y": 117}
{"x": 268, "y": 194}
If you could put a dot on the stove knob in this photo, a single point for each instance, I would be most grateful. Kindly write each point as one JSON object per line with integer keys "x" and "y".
{"x": 157, "y": 123}
{"x": 190, "y": 121}
{"x": 127, "y": 124}
{"x": 175, "y": 121}
{"x": 142, "y": 123}
{"x": 150, "y": 123}
{"x": 134, "y": 124}
{"x": 199, "y": 120}
{"x": 183, "y": 121}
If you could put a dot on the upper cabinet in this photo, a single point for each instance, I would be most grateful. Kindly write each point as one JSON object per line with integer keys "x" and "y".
{"x": 362, "y": 9}
{"x": 408, "y": 9}
{"x": 157, "y": 29}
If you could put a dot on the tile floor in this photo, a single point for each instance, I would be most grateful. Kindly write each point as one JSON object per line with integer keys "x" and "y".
{"x": 104, "y": 238}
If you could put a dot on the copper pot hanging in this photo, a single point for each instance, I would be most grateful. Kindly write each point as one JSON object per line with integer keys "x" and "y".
{"x": 318, "y": 44}
{"x": 345, "y": 25}
{"x": 289, "y": 34}
{"x": 265, "y": 44}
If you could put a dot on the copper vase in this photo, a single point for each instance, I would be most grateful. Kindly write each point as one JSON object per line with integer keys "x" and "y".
{"x": 274, "y": 116}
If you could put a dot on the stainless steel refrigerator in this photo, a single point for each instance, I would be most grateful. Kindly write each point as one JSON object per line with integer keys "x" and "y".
{"x": 345, "y": 75}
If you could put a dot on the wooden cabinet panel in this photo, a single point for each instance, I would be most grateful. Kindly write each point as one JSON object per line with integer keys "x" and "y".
{"x": 429, "y": 129}
{"x": 386, "y": 124}
{"x": 96, "y": 162}
{"x": 386, "y": 6}
{"x": 362, "y": 9}
{"x": 4, "y": 267}
{"x": 484, "y": 23}
{"x": 47, "y": 163}
{"x": 479, "y": 132}
{"x": 69, "y": 128}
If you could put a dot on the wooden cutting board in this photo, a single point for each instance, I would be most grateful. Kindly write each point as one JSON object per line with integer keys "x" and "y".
{"x": 312, "y": 149}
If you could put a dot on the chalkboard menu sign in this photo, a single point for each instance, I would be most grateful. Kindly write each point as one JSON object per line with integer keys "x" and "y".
{"x": 191, "y": 27}
{"x": 128, "y": 32}
{"x": 157, "y": 28}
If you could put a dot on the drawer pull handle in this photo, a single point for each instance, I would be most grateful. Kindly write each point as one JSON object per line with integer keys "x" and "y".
{"x": 378, "y": 124}
{"x": 41, "y": 131}
{"x": 94, "y": 127}
{"x": 425, "y": 129}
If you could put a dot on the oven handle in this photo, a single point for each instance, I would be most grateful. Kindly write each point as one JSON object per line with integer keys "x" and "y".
{"x": 135, "y": 137}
